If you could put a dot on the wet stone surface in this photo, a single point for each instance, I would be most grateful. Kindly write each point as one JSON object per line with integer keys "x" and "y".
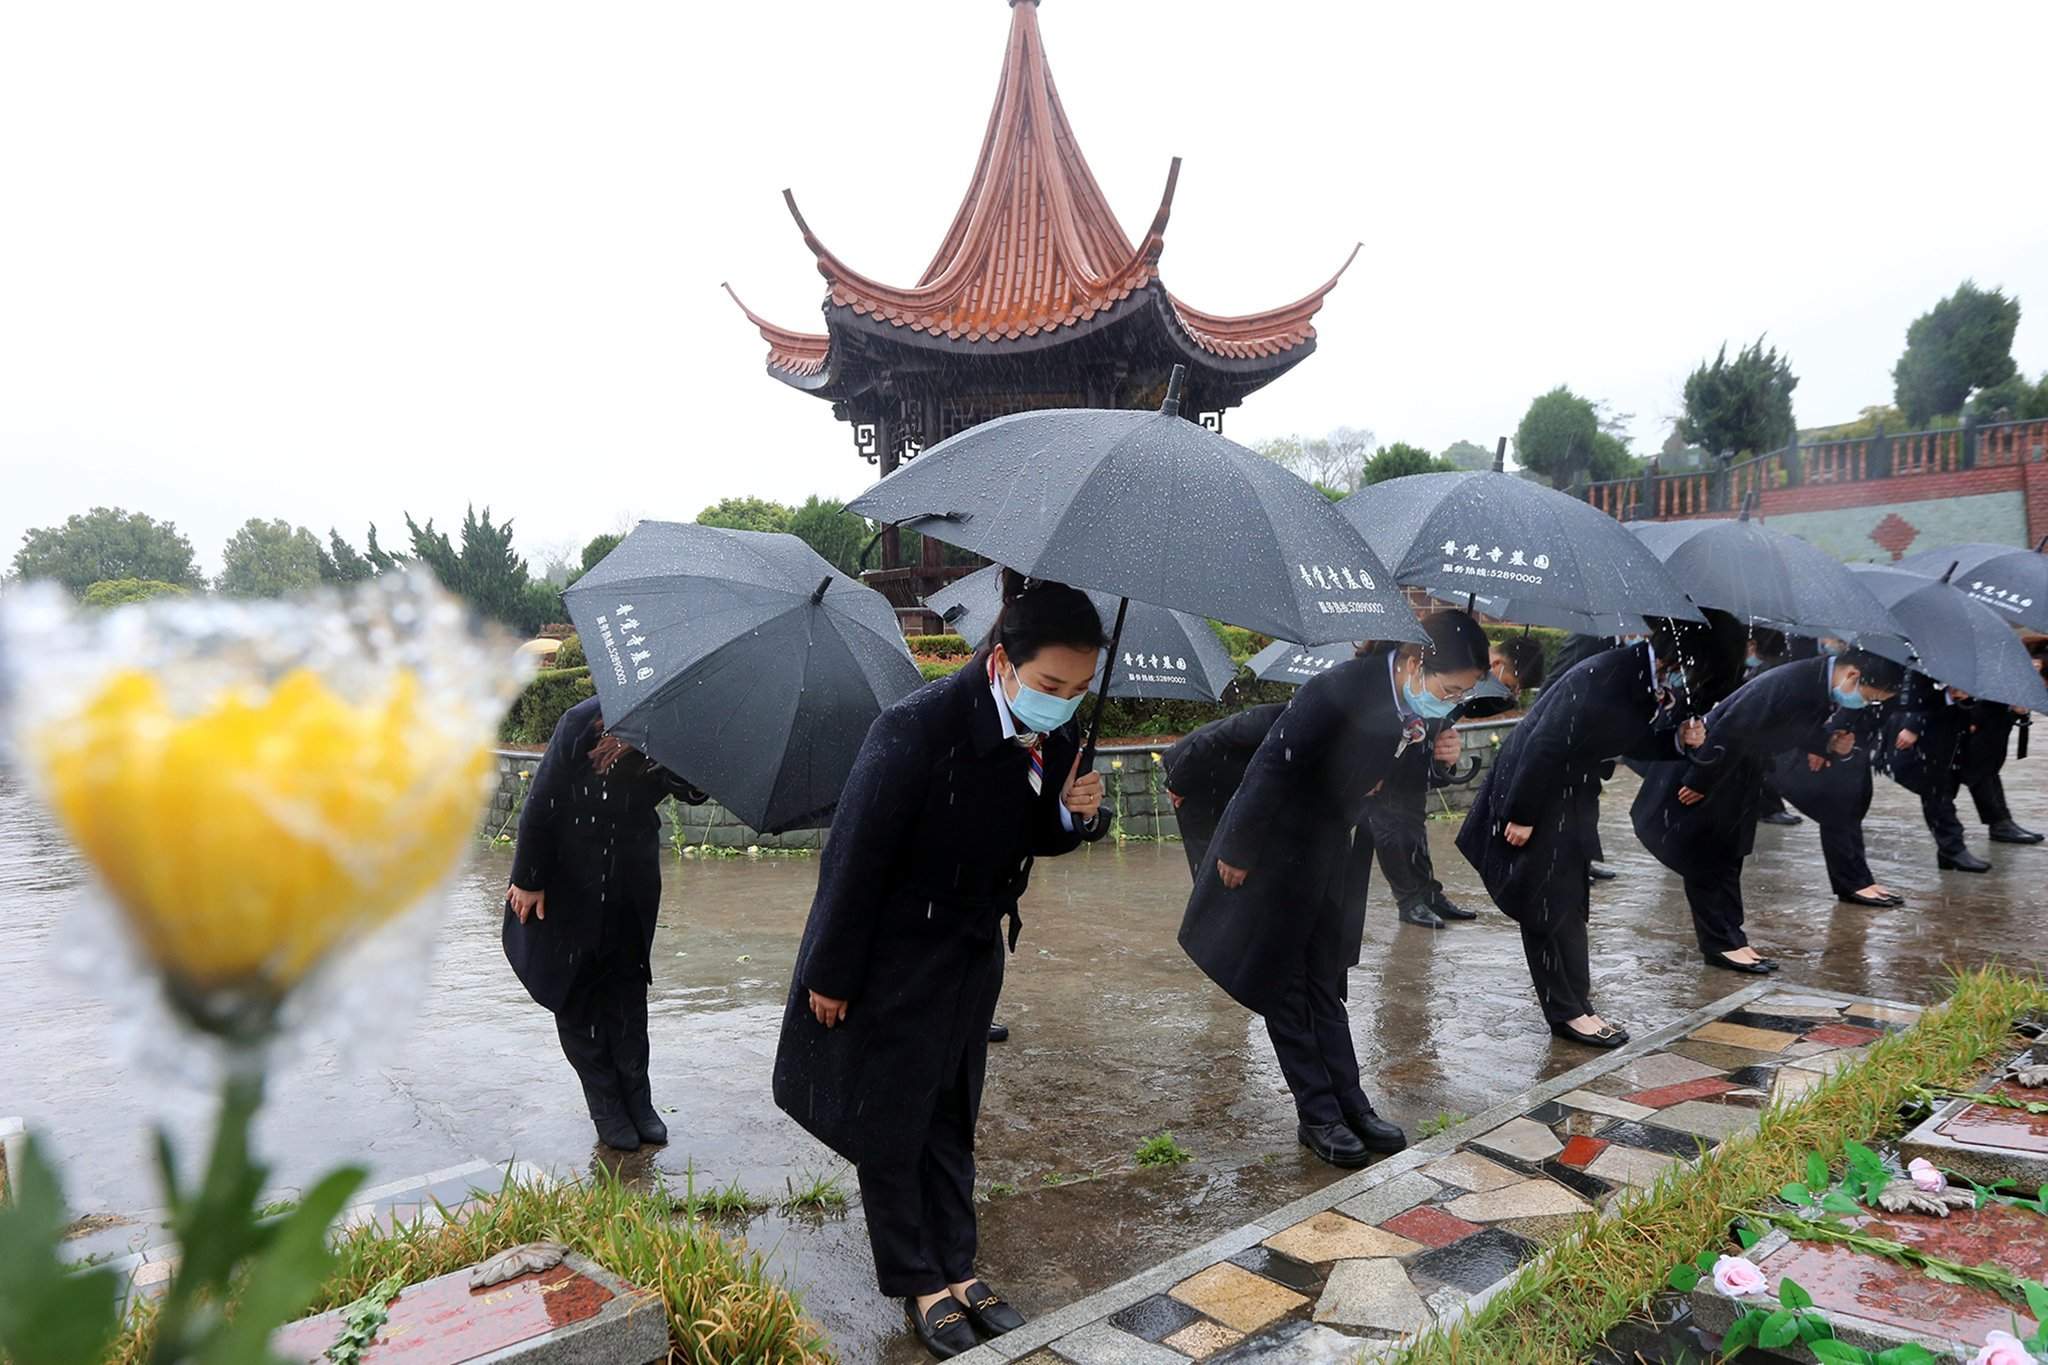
{"x": 1115, "y": 1037}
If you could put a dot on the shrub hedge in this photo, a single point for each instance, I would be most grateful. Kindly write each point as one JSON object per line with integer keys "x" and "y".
{"x": 533, "y": 717}
{"x": 570, "y": 655}
{"x": 939, "y": 646}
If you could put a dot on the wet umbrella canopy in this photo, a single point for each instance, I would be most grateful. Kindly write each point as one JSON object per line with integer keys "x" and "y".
{"x": 1150, "y": 507}
{"x": 1532, "y": 548}
{"x": 742, "y": 662}
{"x": 1163, "y": 655}
{"x": 1523, "y": 612}
{"x": 1765, "y": 577}
{"x": 1956, "y": 639}
{"x": 1285, "y": 661}
{"x": 2010, "y": 579}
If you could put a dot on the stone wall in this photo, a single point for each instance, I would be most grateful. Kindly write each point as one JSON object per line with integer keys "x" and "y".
{"x": 1132, "y": 777}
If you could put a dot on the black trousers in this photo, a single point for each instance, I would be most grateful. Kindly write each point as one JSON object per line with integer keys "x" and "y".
{"x": 920, "y": 1204}
{"x": 1554, "y": 942}
{"x": 1770, "y": 803}
{"x": 603, "y": 1032}
{"x": 1841, "y": 843}
{"x": 1988, "y": 794}
{"x": 1400, "y": 833}
{"x": 1939, "y": 806}
{"x": 1715, "y": 899}
{"x": 1311, "y": 1031}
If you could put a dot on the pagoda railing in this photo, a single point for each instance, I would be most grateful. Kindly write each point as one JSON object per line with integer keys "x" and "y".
{"x": 1657, "y": 496}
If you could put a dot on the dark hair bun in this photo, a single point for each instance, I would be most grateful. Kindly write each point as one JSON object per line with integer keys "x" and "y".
{"x": 1038, "y": 612}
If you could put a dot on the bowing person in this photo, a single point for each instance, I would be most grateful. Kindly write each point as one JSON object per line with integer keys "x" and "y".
{"x": 1270, "y": 921}
{"x": 1532, "y": 831}
{"x": 1698, "y": 816}
{"x": 957, "y": 788}
{"x": 580, "y": 912}
{"x": 1575, "y": 650}
{"x": 1929, "y": 730}
{"x": 1766, "y": 651}
{"x": 1984, "y": 755}
{"x": 1399, "y": 814}
{"x": 1835, "y": 789}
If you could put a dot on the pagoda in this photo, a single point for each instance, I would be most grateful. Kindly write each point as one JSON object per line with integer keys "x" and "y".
{"x": 1035, "y": 298}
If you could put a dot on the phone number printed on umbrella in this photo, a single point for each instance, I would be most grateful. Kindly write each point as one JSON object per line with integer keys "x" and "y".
{"x": 634, "y": 653}
{"x": 1996, "y": 596}
{"x": 1467, "y": 560}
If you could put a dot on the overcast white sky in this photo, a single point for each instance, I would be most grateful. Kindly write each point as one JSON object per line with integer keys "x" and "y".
{"x": 332, "y": 263}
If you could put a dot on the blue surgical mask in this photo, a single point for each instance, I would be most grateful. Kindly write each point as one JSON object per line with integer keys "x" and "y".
{"x": 1833, "y": 647}
{"x": 1751, "y": 661}
{"x": 1852, "y": 700}
{"x": 1040, "y": 711}
{"x": 1426, "y": 703}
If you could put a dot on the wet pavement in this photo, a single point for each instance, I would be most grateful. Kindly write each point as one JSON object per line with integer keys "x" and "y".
{"x": 1115, "y": 1038}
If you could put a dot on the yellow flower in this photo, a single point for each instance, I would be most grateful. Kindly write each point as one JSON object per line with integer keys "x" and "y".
{"x": 1117, "y": 764}
{"x": 243, "y": 840}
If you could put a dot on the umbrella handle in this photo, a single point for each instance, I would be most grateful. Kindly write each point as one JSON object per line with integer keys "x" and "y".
{"x": 1123, "y": 604}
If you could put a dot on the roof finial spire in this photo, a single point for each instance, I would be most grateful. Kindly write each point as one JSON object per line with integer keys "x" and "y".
{"x": 1171, "y": 407}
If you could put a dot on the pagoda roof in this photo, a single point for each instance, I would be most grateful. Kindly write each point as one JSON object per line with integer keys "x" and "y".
{"x": 1033, "y": 253}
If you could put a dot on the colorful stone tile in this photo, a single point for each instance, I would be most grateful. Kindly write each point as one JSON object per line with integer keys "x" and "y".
{"x": 1580, "y": 1151}
{"x": 1299, "y": 1276}
{"x": 1580, "y": 1124}
{"x": 1609, "y": 1105}
{"x": 1390, "y": 1197}
{"x": 1661, "y": 1068}
{"x": 1431, "y": 1227}
{"x": 1237, "y": 1298}
{"x": 1373, "y": 1294}
{"x": 1155, "y": 1318}
{"x": 1707, "y": 1119}
{"x": 1810, "y": 1006}
{"x": 1736, "y": 1035}
{"x": 1577, "y": 1181}
{"x": 1828, "y": 1063}
{"x": 1545, "y": 1231}
{"x": 1200, "y": 1340}
{"x": 1754, "y": 1075}
{"x": 1472, "y": 1173}
{"x": 1547, "y": 1113}
{"x": 1792, "y": 1083}
{"x": 1523, "y": 1139}
{"x": 1769, "y": 1022}
{"x": 1100, "y": 1344}
{"x": 1843, "y": 1035}
{"x": 1632, "y": 1166}
{"x": 1330, "y": 1236}
{"x": 1530, "y": 1199}
{"x": 1476, "y": 1262}
{"x": 1664, "y": 1096}
{"x": 1722, "y": 1057}
{"x": 1302, "y": 1343}
{"x": 1804, "y": 1049}
{"x": 1890, "y": 1014}
{"x": 1651, "y": 1138}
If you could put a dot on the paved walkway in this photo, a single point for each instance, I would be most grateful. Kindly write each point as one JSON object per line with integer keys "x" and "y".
{"x": 1431, "y": 1234}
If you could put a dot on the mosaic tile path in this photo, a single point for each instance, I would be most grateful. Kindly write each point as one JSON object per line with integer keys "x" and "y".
{"x": 1434, "y": 1232}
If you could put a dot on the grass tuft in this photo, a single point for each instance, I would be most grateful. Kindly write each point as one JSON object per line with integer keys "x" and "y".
{"x": 1560, "y": 1308}
{"x": 1441, "y": 1122}
{"x": 1161, "y": 1150}
{"x": 818, "y": 1194}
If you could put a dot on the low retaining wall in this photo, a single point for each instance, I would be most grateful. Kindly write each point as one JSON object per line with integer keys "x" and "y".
{"x": 1132, "y": 777}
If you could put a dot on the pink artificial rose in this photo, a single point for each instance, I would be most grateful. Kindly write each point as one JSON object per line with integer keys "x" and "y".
{"x": 2003, "y": 1348}
{"x": 1925, "y": 1176}
{"x": 1736, "y": 1277}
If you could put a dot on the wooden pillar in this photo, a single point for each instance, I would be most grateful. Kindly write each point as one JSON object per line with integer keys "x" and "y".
{"x": 885, "y": 454}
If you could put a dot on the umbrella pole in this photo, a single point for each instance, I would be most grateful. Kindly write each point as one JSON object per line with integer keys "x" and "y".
{"x": 1123, "y": 604}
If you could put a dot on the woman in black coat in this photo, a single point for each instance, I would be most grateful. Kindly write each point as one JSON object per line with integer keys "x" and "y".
{"x": 579, "y": 914}
{"x": 1533, "y": 830}
{"x": 1269, "y": 920}
{"x": 957, "y": 788}
{"x": 1835, "y": 789}
{"x": 1929, "y": 732}
{"x": 1698, "y": 817}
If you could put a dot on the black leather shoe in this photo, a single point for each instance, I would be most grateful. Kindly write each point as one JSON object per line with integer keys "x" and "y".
{"x": 1376, "y": 1133}
{"x": 1422, "y": 915}
{"x": 1728, "y": 964}
{"x": 999, "y": 1033}
{"x": 1600, "y": 872}
{"x": 2006, "y": 832}
{"x": 616, "y": 1131}
{"x": 1334, "y": 1143}
{"x": 1965, "y": 861}
{"x": 1608, "y": 1036}
{"x": 1450, "y": 909}
{"x": 944, "y": 1328}
{"x": 988, "y": 1312}
{"x": 1779, "y": 817}
{"x": 647, "y": 1123}
{"x": 1870, "y": 902}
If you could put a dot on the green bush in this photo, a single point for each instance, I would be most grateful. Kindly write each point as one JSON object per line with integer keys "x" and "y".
{"x": 115, "y": 592}
{"x": 1241, "y": 643}
{"x": 570, "y": 655}
{"x": 933, "y": 669}
{"x": 533, "y": 717}
{"x": 1553, "y": 640}
{"x": 939, "y": 646}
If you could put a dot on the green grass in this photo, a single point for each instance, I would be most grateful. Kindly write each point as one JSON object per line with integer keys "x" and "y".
{"x": 1161, "y": 1150}
{"x": 723, "y": 1307}
{"x": 818, "y": 1194}
{"x": 1441, "y": 1122}
{"x": 1560, "y": 1308}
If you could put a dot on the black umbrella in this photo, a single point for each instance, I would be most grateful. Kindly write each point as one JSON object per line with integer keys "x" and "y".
{"x": 2010, "y": 579}
{"x": 1956, "y": 639}
{"x": 1153, "y": 508}
{"x": 1523, "y": 612}
{"x": 1531, "y": 548}
{"x": 742, "y": 662}
{"x": 1284, "y": 661}
{"x": 1765, "y": 577}
{"x": 1163, "y": 655}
